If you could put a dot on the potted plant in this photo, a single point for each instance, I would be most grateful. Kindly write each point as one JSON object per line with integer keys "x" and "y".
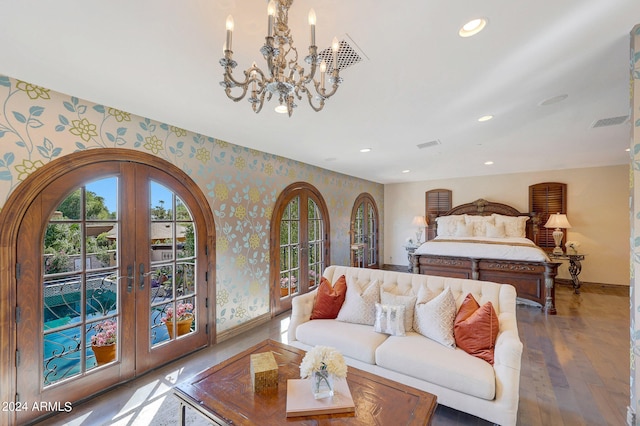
{"x": 103, "y": 342}
{"x": 183, "y": 318}
{"x": 284, "y": 285}
{"x": 312, "y": 278}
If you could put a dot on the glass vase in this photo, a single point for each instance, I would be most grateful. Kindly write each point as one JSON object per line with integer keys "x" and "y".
{"x": 322, "y": 384}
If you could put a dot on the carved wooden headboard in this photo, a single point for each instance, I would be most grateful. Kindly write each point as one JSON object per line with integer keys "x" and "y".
{"x": 482, "y": 207}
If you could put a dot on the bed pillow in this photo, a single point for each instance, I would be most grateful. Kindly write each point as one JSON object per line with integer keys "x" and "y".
{"x": 409, "y": 303}
{"x": 495, "y": 231}
{"x": 434, "y": 318}
{"x": 390, "y": 319}
{"x": 446, "y": 225}
{"x": 514, "y": 226}
{"x": 359, "y": 305}
{"x": 329, "y": 299}
{"x": 476, "y": 328}
{"x": 479, "y": 224}
{"x": 464, "y": 230}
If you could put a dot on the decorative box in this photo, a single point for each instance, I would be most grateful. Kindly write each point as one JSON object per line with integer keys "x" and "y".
{"x": 264, "y": 371}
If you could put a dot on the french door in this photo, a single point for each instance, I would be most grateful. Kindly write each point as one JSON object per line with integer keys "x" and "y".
{"x": 301, "y": 232}
{"x": 364, "y": 232}
{"x": 113, "y": 252}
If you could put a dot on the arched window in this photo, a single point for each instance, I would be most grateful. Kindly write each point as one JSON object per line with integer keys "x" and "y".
{"x": 364, "y": 232}
{"x": 300, "y": 243}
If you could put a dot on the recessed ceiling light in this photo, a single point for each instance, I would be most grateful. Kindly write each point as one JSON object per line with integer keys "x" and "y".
{"x": 553, "y": 100}
{"x": 488, "y": 163}
{"x": 628, "y": 149}
{"x": 406, "y": 171}
{"x": 485, "y": 118}
{"x": 472, "y": 27}
{"x": 365, "y": 150}
{"x": 281, "y": 109}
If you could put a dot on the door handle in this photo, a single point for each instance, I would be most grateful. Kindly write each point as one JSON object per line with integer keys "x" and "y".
{"x": 142, "y": 276}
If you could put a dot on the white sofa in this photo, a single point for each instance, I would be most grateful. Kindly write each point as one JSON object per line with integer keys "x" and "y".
{"x": 459, "y": 380}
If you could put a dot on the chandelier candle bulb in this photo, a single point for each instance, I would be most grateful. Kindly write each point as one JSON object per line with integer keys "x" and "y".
{"x": 335, "y": 45}
{"x": 312, "y": 24}
{"x": 229, "y": 31}
{"x": 323, "y": 69}
{"x": 271, "y": 11}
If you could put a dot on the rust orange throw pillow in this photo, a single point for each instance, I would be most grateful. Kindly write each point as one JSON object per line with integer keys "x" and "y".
{"x": 329, "y": 299}
{"x": 476, "y": 328}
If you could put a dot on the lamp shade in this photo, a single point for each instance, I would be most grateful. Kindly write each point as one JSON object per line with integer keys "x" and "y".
{"x": 557, "y": 221}
{"x": 419, "y": 221}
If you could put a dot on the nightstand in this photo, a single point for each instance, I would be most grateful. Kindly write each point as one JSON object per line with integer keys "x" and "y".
{"x": 575, "y": 266}
{"x": 410, "y": 248}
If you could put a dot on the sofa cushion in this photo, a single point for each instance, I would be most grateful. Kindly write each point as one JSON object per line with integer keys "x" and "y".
{"x": 476, "y": 328}
{"x": 389, "y": 319}
{"x": 434, "y": 316}
{"x": 357, "y": 341}
{"x": 409, "y": 303}
{"x": 359, "y": 305}
{"x": 428, "y": 360}
{"x": 329, "y": 299}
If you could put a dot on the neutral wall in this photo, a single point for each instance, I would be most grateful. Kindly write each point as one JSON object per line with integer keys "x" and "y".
{"x": 597, "y": 208}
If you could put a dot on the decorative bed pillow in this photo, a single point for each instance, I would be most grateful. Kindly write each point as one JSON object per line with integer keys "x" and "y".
{"x": 446, "y": 225}
{"x": 389, "y": 319}
{"x": 434, "y": 318}
{"x": 476, "y": 328}
{"x": 514, "y": 226}
{"x": 409, "y": 303}
{"x": 479, "y": 224}
{"x": 329, "y": 299}
{"x": 359, "y": 305}
{"x": 464, "y": 230}
{"x": 495, "y": 231}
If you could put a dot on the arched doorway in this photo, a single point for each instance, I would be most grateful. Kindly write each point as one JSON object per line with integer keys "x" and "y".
{"x": 364, "y": 232}
{"x": 300, "y": 243}
{"x": 112, "y": 244}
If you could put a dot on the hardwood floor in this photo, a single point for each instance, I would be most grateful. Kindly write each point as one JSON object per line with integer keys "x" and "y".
{"x": 575, "y": 368}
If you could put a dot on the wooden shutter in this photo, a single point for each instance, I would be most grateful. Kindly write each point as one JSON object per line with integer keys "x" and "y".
{"x": 545, "y": 199}
{"x": 438, "y": 202}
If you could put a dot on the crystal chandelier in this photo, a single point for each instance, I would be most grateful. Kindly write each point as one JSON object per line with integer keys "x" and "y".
{"x": 285, "y": 79}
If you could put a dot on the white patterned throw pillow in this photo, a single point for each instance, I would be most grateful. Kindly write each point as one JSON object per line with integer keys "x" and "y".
{"x": 408, "y": 301}
{"x": 359, "y": 305}
{"x": 434, "y": 318}
{"x": 389, "y": 319}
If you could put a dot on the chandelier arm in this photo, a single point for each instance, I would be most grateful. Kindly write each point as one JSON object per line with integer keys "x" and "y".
{"x": 310, "y": 99}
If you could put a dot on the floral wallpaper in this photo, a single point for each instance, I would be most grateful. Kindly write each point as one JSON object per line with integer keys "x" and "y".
{"x": 634, "y": 209}
{"x": 38, "y": 125}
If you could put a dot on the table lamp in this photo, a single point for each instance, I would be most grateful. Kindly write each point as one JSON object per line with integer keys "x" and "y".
{"x": 559, "y": 222}
{"x": 420, "y": 222}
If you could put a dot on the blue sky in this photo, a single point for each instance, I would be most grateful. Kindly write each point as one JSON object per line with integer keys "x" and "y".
{"x": 107, "y": 188}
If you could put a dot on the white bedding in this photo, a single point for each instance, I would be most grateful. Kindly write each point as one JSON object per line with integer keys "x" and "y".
{"x": 509, "y": 248}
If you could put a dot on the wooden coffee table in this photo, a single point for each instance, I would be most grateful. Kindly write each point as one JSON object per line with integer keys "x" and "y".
{"x": 223, "y": 394}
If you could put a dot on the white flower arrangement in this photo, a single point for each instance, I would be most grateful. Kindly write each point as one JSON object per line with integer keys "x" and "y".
{"x": 323, "y": 358}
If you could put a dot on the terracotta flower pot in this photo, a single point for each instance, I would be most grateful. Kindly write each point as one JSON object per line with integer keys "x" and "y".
{"x": 183, "y": 326}
{"x": 104, "y": 354}
{"x": 284, "y": 291}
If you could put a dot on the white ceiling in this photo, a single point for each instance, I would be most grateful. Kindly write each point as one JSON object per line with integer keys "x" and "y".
{"x": 420, "y": 81}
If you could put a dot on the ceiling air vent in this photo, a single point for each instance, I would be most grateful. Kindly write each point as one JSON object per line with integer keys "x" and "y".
{"x": 349, "y": 54}
{"x": 612, "y": 121}
{"x": 428, "y": 144}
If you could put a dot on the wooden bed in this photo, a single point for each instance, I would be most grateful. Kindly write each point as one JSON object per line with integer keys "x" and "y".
{"x": 534, "y": 281}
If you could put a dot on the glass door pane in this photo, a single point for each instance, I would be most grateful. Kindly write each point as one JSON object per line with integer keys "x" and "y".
{"x": 315, "y": 242}
{"x": 290, "y": 248}
{"x": 172, "y": 267}
{"x": 80, "y": 295}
